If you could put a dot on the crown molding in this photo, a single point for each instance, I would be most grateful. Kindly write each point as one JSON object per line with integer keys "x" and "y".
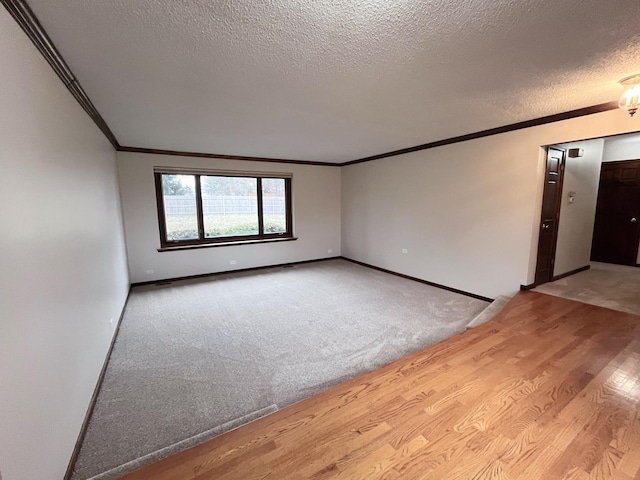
{"x": 603, "y": 107}
{"x": 177, "y": 153}
{"x": 24, "y": 16}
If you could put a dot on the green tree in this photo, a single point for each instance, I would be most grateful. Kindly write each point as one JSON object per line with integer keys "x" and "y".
{"x": 229, "y": 186}
{"x": 171, "y": 185}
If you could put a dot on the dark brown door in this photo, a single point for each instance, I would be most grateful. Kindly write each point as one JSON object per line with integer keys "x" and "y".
{"x": 616, "y": 230}
{"x": 550, "y": 214}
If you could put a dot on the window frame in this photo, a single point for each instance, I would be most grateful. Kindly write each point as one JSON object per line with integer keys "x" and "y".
{"x": 203, "y": 241}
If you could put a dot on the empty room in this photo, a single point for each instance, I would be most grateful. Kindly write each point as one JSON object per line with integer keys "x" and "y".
{"x": 323, "y": 239}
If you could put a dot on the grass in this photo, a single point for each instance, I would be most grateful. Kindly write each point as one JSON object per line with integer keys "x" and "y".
{"x": 183, "y": 227}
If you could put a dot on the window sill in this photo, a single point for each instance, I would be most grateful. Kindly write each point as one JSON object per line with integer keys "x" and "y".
{"x": 226, "y": 244}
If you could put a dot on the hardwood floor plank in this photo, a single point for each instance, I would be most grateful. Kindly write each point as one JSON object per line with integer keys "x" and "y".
{"x": 550, "y": 388}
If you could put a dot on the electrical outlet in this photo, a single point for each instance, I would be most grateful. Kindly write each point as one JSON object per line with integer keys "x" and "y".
{"x": 232, "y": 262}
{"x": 404, "y": 250}
{"x": 149, "y": 272}
{"x": 329, "y": 251}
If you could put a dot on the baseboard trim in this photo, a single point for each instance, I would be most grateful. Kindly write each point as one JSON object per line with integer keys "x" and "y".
{"x": 572, "y": 272}
{"x": 94, "y": 397}
{"x": 225, "y": 272}
{"x": 531, "y": 286}
{"x": 426, "y": 282}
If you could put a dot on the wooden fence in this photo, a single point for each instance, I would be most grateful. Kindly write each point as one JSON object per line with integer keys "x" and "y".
{"x": 222, "y": 205}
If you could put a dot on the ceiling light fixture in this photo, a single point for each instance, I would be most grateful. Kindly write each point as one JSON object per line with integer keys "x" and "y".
{"x": 630, "y": 99}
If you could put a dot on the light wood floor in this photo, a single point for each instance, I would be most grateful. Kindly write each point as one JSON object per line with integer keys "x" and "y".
{"x": 549, "y": 389}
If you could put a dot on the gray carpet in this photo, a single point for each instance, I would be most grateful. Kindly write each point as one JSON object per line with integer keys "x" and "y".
{"x": 611, "y": 286}
{"x": 196, "y": 358}
{"x": 489, "y": 312}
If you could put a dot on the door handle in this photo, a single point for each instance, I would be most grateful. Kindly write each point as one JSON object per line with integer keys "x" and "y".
{"x": 545, "y": 226}
{"x": 634, "y": 220}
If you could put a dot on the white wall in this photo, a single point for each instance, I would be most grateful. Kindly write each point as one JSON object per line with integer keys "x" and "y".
{"x": 316, "y": 211}
{"x": 623, "y": 147}
{"x": 62, "y": 253}
{"x": 575, "y": 231}
{"x": 468, "y": 213}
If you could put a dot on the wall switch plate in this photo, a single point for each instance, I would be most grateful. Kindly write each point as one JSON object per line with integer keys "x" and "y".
{"x": 232, "y": 262}
{"x": 404, "y": 250}
{"x": 329, "y": 251}
{"x": 111, "y": 321}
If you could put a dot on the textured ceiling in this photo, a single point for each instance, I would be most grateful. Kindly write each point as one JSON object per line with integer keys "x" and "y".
{"x": 331, "y": 80}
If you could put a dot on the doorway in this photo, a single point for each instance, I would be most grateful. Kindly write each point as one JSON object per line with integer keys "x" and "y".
{"x": 617, "y": 230}
{"x": 591, "y": 206}
{"x": 589, "y": 232}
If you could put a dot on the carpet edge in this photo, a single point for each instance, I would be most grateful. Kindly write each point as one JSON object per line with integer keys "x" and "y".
{"x": 490, "y": 312}
{"x": 133, "y": 465}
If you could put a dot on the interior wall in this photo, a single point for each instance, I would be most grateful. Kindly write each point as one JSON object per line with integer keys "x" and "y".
{"x": 63, "y": 274}
{"x": 316, "y": 217}
{"x": 623, "y": 147}
{"x": 467, "y": 213}
{"x": 575, "y": 230}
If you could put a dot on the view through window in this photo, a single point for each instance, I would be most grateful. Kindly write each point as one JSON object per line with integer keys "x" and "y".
{"x": 200, "y": 208}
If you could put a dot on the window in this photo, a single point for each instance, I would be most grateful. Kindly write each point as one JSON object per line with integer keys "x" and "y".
{"x": 200, "y": 208}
